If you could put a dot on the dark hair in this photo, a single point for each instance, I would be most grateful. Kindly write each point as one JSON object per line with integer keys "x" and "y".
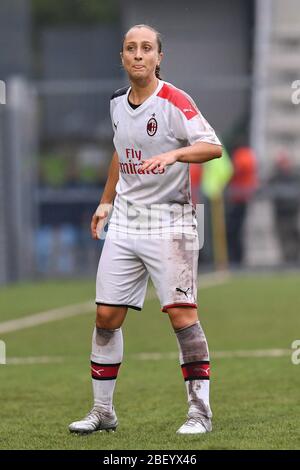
{"x": 158, "y": 39}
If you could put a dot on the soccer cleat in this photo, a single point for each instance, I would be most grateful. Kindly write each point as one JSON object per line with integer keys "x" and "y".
{"x": 195, "y": 424}
{"x": 96, "y": 420}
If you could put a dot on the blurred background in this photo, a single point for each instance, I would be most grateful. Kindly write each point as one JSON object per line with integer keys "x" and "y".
{"x": 60, "y": 63}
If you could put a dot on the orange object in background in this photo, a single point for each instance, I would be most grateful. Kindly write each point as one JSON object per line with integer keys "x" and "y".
{"x": 240, "y": 191}
{"x": 244, "y": 181}
{"x": 196, "y": 171}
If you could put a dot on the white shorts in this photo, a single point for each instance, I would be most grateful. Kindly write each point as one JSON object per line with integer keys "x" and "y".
{"x": 126, "y": 264}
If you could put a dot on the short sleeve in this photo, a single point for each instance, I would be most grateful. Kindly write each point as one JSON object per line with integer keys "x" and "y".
{"x": 112, "y": 107}
{"x": 188, "y": 124}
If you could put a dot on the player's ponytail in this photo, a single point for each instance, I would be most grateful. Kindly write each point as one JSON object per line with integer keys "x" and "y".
{"x": 157, "y": 72}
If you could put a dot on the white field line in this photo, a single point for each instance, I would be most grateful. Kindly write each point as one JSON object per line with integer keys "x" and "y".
{"x": 34, "y": 360}
{"x": 248, "y": 354}
{"x": 46, "y": 317}
{"x": 205, "y": 281}
{"x": 217, "y": 354}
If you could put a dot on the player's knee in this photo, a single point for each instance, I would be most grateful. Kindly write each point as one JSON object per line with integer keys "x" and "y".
{"x": 104, "y": 317}
{"x": 109, "y": 317}
{"x": 182, "y": 317}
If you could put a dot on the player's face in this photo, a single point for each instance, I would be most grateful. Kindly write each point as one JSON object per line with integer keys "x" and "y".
{"x": 140, "y": 53}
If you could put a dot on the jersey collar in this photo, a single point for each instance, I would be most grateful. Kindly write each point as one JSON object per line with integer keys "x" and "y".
{"x": 136, "y": 111}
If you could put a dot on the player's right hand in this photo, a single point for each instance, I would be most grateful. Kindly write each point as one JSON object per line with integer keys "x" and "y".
{"x": 99, "y": 220}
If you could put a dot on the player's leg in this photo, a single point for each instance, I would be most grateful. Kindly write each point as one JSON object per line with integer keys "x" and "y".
{"x": 106, "y": 359}
{"x": 173, "y": 266}
{"x": 121, "y": 283}
{"x": 195, "y": 366}
{"x": 182, "y": 317}
{"x": 107, "y": 354}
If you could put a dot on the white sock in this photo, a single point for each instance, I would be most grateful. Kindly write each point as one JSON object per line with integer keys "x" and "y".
{"x": 106, "y": 358}
{"x": 194, "y": 361}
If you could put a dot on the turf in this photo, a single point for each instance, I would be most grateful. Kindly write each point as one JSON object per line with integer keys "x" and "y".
{"x": 255, "y": 401}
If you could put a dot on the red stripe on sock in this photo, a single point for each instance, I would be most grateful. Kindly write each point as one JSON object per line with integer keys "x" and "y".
{"x": 107, "y": 371}
{"x": 196, "y": 370}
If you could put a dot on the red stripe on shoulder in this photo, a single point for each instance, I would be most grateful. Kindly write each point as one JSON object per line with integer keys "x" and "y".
{"x": 178, "y": 99}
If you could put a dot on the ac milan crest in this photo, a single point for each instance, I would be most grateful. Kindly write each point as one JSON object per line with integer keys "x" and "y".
{"x": 151, "y": 126}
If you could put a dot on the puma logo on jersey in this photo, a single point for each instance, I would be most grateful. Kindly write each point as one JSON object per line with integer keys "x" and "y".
{"x": 183, "y": 291}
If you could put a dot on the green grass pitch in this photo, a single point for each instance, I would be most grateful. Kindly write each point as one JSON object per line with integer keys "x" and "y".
{"x": 255, "y": 400}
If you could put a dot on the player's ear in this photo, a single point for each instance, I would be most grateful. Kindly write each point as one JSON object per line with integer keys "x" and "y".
{"x": 160, "y": 58}
{"x": 121, "y": 55}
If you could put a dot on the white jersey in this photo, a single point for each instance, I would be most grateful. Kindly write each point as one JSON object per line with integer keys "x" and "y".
{"x": 158, "y": 200}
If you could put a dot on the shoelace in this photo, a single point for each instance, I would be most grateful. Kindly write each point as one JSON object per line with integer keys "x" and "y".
{"x": 91, "y": 415}
{"x": 95, "y": 414}
{"x": 193, "y": 421}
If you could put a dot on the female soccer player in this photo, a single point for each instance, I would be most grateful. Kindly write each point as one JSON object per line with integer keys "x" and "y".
{"x": 158, "y": 131}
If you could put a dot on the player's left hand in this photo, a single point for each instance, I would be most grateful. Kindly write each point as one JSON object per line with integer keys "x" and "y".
{"x": 160, "y": 161}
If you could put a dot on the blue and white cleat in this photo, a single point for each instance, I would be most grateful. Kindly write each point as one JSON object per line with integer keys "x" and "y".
{"x": 97, "y": 419}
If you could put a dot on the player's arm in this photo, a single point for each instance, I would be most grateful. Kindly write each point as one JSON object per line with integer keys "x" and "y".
{"x": 195, "y": 130}
{"x": 200, "y": 152}
{"x": 106, "y": 203}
